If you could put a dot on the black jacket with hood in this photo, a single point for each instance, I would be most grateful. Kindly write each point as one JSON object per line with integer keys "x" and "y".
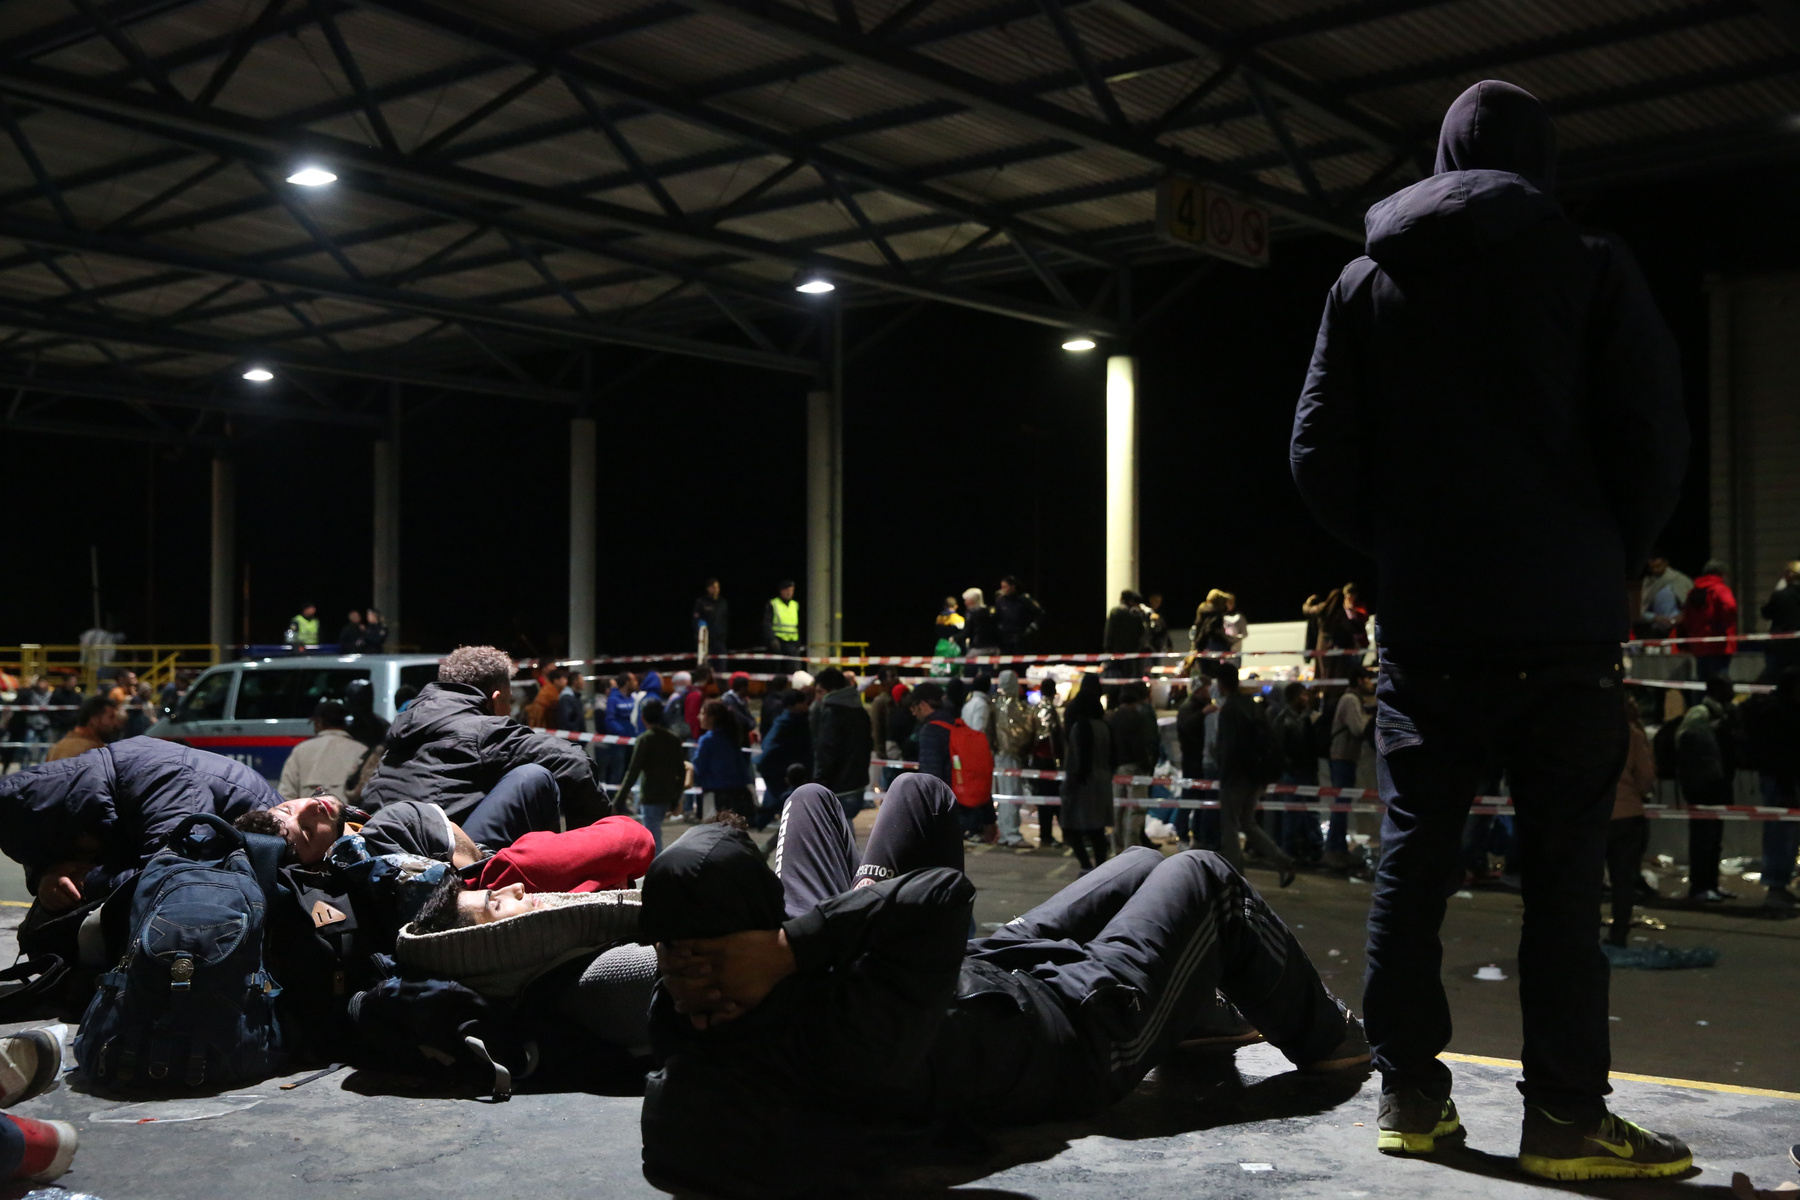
{"x": 842, "y": 742}
{"x": 1490, "y": 383}
{"x": 447, "y": 749}
{"x": 892, "y": 1027}
{"x": 126, "y": 798}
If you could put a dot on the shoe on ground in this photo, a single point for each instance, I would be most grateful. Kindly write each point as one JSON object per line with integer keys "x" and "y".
{"x": 29, "y": 1062}
{"x": 1350, "y": 1054}
{"x": 1607, "y": 1148}
{"x": 49, "y": 1148}
{"x": 1780, "y": 899}
{"x": 1712, "y": 896}
{"x": 1285, "y": 875}
{"x": 1335, "y": 860}
{"x": 1413, "y": 1123}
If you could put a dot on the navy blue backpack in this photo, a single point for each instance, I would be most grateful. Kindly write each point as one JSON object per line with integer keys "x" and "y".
{"x": 190, "y": 1003}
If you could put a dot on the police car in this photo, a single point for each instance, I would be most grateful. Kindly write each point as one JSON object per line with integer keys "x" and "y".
{"x": 258, "y": 710}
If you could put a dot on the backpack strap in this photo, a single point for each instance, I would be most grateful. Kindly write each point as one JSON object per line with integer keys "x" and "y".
{"x": 181, "y": 837}
{"x": 40, "y": 976}
{"x": 264, "y": 850}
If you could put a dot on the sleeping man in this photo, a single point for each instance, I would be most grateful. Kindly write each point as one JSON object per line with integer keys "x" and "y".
{"x": 825, "y": 1031}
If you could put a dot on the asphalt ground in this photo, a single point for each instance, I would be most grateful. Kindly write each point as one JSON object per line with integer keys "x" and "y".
{"x": 1201, "y": 1124}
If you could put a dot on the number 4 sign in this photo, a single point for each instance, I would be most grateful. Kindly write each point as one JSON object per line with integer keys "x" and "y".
{"x": 1213, "y": 222}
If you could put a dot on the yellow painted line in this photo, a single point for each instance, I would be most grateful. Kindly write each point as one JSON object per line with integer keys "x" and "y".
{"x": 16, "y": 903}
{"x": 1697, "y": 1084}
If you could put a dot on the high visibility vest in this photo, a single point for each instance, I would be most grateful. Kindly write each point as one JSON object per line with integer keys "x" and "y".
{"x": 786, "y": 624}
{"x": 306, "y": 630}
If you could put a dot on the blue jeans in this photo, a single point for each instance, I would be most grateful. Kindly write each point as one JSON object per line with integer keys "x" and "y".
{"x": 613, "y": 762}
{"x": 1300, "y": 830}
{"x": 526, "y": 800}
{"x": 1337, "y": 838}
{"x": 653, "y": 815}
{"x": 1559, "y": 734}
{"x": 1781, "y": 839}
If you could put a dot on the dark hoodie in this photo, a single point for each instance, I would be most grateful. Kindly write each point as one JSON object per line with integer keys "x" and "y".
{"x": 447, "y": 749}
{"x": 1490, "y": 383}
{"x": 842, "y": 743}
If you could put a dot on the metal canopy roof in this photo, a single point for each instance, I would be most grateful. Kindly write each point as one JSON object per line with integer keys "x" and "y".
{"x": 520, "y": 175}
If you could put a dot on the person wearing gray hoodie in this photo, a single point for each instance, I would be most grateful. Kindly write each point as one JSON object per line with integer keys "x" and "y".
{"x": 1514, "y": 381}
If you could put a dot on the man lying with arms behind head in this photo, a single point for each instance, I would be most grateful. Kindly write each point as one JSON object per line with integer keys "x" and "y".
{"x": 868, "y": 1022}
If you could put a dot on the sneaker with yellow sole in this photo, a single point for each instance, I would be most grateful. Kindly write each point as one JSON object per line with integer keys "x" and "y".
{"x": 1608, "y": 1148}
{"x": 1413, "y": 1123}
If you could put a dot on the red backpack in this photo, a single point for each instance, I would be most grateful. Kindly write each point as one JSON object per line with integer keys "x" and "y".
{"x": 971, "y": 766}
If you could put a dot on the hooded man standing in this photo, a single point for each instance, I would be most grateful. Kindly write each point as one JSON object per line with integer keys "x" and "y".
{"x": 1484, "y": 331}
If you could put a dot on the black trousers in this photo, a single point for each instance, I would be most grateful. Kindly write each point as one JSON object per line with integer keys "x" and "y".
{"x": 1706, "y": 839}
{"x": 526, "y": 800}
{"x": 1137, "y": 950}
{"x": 919, "y": 826}
{"x": 1626, "y": 838}
{"x": 1559, "y": 733}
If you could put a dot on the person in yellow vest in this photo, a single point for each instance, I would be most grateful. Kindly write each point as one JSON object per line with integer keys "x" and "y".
{"x": 781, "y": 621}
{"x": 303, "y": 630}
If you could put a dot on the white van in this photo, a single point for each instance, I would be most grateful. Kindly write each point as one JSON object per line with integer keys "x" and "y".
{"x": 257, "y": 710}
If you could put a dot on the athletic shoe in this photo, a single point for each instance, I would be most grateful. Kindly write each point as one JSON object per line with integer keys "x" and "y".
{"x": 1285, "y": 875}
{"x": 29, "y": 1061}
{"x": 1413, "y": 1123}
{"x": 1351, "y": 1054}
{"x": 1780, "y": 899}
{"x": 1794, "y": 1154}
{"x": 1610, "y": 1148}
{"x": 1712, "y": 896}
{"x": 49, "y": 1148}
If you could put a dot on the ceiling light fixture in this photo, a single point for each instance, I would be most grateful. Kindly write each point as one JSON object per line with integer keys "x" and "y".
{"x": 1079, "y": 345}
{"x": 259, "y": 375}
{"x": 815, "y": 286}
{"x": 312, "y": 177}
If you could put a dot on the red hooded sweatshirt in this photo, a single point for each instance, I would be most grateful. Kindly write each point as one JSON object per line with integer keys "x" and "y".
{"x": 1711, "y": 611}
{"x": 608, "y": 854}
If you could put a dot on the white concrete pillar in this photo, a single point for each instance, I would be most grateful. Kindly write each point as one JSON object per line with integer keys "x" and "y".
{"x": 385, "y": 578}
{"x": 1121, "y": 478}
{"x": 583, "y": 537}
{"x": 224, "y": 552}
{"x": 822, "y": 602}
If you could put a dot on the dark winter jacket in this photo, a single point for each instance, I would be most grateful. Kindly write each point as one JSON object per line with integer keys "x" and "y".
{"x": 789, "y": 740}
{"x": 1487, "y": 372}
{"x": 1293, "y": 732}
{"x": 1131, "y": 728}
{"x": 1018, "y": 618}
{"x": 446, "y": 749}
{"x": 1125, "y": 632}
{"x": 127, "y": 797}
{"x": 716, "y": 616}
{"x": 1190, "y": 732}
{"x": 1244, "y": 739}
{"x": 934, "y": 743}
{"x": 885, "y": 989}
{"x": 844, "y": 742}
{"x": 981, "y": 630}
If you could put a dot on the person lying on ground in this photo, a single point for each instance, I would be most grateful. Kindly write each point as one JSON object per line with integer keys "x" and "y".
{"x": 869, "y": 1024}
{"x": 512, "y": 834}
{"x": 84, "y": 825}
{"x": 457, "y": 740}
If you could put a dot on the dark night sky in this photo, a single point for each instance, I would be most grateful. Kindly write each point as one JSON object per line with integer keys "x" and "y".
{"x": 973, "y": 449}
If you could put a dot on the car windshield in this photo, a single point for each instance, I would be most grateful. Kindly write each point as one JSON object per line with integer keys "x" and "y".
{"x": 291, "y": 694}
{"x": 205, "y": 701}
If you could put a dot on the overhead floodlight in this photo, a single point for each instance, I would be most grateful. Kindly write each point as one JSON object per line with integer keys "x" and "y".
{"x": 1079, "y": 345}
{"x": 312, "y": 177}
{"x": 814, "y": 285}
{"x": 259, "y": 375}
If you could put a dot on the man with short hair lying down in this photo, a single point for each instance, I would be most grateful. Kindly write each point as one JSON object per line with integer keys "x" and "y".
{"x": 516, "y": 845}
{"x": 869, "y": 1018}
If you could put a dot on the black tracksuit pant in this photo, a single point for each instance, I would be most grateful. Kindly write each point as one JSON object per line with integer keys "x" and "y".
{"x": 1134, "y": 953}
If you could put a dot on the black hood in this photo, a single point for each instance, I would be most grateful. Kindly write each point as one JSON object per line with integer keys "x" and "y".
{"x": 1495, "y": 164}
{"x": 1495, "y": 126}
{"x": 711, "y": 882}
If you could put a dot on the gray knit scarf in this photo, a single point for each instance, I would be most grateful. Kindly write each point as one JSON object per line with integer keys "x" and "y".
{"x": 500, "y": 958}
